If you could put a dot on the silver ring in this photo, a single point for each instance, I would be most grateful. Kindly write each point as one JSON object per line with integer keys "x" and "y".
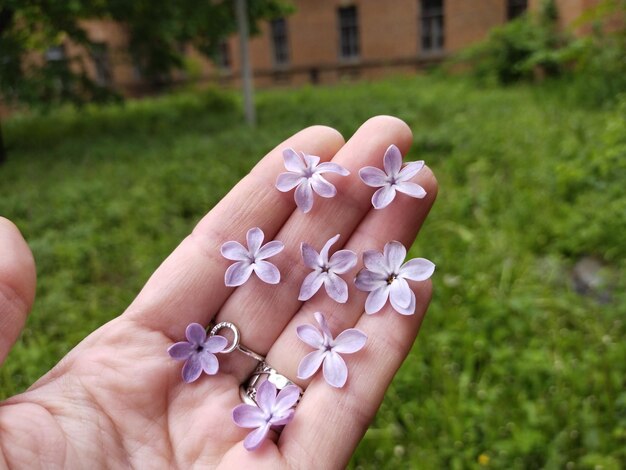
{"x": 263, "y": 372}
{"x": 236, "y": 344}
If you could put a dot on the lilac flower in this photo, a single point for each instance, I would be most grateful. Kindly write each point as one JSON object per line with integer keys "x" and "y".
{"x": 385, "y": 277}
{"x": 325, "y": 271}
{"x": 394, "y": 178}
{"x": 198, "y": 352}
{"x": 251, "y": 259}
{"x": 273, "y": 410}
{"x": 305, "y": 174}
{"x": 328, "y": 350}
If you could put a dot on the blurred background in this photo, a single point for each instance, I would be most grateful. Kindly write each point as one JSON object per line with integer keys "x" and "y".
{"x": 122, "y": 123}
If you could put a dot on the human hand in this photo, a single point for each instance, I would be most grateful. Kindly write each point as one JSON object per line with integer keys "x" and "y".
{"x": 117, "y": 399}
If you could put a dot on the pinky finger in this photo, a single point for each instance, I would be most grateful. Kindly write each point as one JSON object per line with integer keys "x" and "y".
{"x": 330, "y": 422}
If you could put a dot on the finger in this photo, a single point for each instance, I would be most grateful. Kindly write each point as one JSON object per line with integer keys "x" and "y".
{"x": 400, "y": 221}
{"x": 262, "y": 311}
{"x": 330, "y": 422}
{"x": 17, "y": 284}
{"x": 189, "y": 285}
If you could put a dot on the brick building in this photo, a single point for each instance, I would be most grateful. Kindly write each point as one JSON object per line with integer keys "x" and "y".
{"x": 328, "y": 40}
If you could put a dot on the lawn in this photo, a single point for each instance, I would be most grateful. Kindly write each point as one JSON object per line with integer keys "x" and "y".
{"x": 513, "y": 367}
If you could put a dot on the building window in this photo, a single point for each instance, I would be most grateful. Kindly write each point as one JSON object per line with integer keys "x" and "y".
{"x": 100, "y": 57}
{"x": 223, "y": 55}
{"x": 348, "y": 32}
{"x": 515, "y": 8}
{"x": 55, "y": 53}
{"x": 432, "y": 25}
{"x": 279, "y": 41}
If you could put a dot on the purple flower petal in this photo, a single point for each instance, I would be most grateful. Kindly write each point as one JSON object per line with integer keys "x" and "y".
{"x": 310, "y": 257}
{"x": 215, "y": 343}
{"x": 376, "y": 299}
{"x": 321, "y": 320}
{"x": 400, "y": 293}
{"x": 209, "y": 362}
{"x": 237, "y": 273}
{"x": 417, "y": 269}
{"x": 310, "y": 364}
{"x": 248, "y": 416}
{"x": 410, "y": 170}
{"x": 392, "y": 161}
{"x": 254, "y": 440}
{"x": 266, "y": 396}
{"x": 267, "y": 272}
{"x": 304, "y": 196}
{"x": 293, "y": 161}
{"x": 383, "y": 197}
{"x": 310, "y": 335}
{"x": 375, "y": 261}
{"x": 329, "y": 167}
{"x": 410, "y": 310}
{"x": 254, "y": 237}
{"x": 310, "y": 160}
{"x": 394, "y": 252}
{"x": 234, "y": 251}
{"x": 286, "y": 399}
{"x": 336, "y": 288}
{"x": 326, "y": 249}
{"x": 342, "y": 261}
{"x": 322, "y": 187}
{"x": 180, "y": 351}
{"x": 372, "y": 176}
{"x": 281, "y": 419}
{"x": 195, "y": 333}
{"x": 311, "y": 284}
{"x": 368, "y": 281}
{"x": 270, "y": 249}
{"x": 411, "y": 189}
{"x": 287, "y": 181}
{"x": 335, "y": 370}
{"x": 349, "y": 341}
{"x": 192, "y": 369}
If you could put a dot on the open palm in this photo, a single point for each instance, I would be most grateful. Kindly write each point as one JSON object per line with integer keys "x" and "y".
{"x": 117, "y": 399}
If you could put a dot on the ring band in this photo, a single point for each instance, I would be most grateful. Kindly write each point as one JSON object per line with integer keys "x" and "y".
{"x": 236, "y": 344}
{"x": 248, "y": 389}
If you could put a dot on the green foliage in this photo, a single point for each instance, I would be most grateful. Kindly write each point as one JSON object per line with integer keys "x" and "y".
{"x": 157, "y": 31}
{"x": 512, "y": 369}
{"x": 520, "y": 49}
{"x": 531, "y": 48}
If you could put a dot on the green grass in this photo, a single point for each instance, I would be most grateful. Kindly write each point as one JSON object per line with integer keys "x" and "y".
{"x": 512, "y": 369}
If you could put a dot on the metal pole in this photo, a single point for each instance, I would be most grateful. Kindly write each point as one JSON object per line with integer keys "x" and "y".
{"x": 246, "y": 72}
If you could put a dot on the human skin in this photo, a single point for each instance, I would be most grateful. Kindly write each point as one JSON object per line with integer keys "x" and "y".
{"x": 117, "y": 400}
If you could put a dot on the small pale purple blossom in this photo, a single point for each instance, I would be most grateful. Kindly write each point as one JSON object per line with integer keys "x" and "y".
{"x": 273, "y": 410}
{"x": 198, "y": 352}
{"x": 251, "y": 259}
{"x": 328, "y": 351}
{"x": 326, "y": 271}
{"x": 394, "y": 178}
{"x": 385, "y": 277}
{"x": 305, "y": 174}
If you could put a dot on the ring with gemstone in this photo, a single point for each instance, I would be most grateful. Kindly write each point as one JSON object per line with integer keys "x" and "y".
{"x": 263, "y": 372}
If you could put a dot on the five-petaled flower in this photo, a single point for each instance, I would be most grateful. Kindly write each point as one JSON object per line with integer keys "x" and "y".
{"x": 328, "y": 351}
{"x": 273, "y": 410}
{"x": 394, "y": 178}
{"x": 305, "y": 174}
{"x": 198, "y": 352}
{"x": 326, "y": 271}
{"x": 251, "y": 259}
{"x": 385, "y": 277}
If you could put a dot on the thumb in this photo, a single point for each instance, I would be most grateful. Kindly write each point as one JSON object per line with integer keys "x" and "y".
{"x": 17, "y": 284}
